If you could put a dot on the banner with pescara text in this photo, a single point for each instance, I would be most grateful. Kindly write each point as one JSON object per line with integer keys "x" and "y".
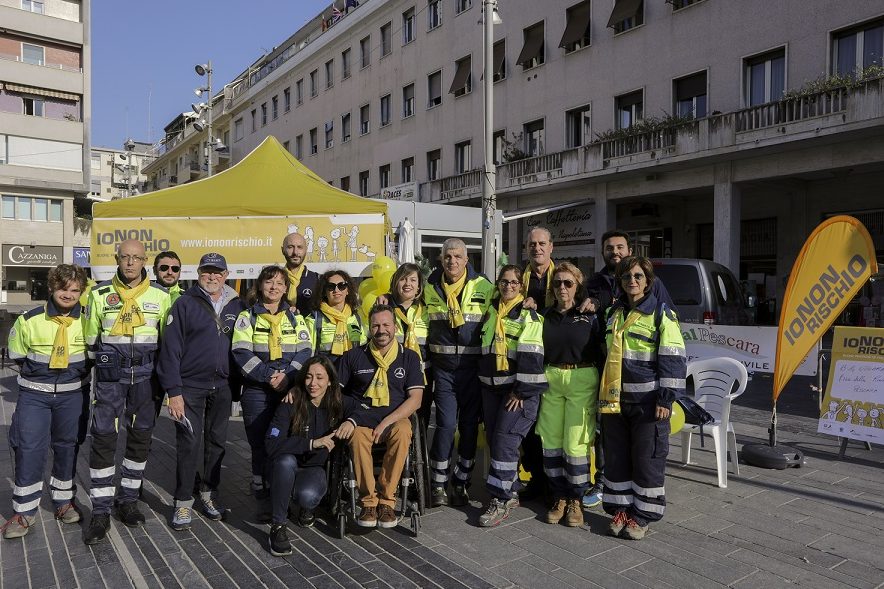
{"x": 836, "y": 261}
{"x": 853, "y": 405}
{"x": 753, "y": 345}
{"x": 347, "y": 242}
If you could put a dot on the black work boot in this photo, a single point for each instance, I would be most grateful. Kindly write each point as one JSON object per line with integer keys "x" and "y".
{"x": 97, "y": 529}
{"x": 129, "y": 514}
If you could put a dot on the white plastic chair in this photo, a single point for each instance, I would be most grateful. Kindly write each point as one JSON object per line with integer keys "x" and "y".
{"x": 714, "y": 381}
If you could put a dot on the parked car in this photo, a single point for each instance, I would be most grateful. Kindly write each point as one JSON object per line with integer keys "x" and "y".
{"x": 703, "y": 291}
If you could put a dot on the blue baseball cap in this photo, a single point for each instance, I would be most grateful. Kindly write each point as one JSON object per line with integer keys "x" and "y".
{"x": 213, "y": 260}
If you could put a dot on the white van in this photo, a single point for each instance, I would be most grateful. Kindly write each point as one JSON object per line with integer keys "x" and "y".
{"x": 703, "y": 291}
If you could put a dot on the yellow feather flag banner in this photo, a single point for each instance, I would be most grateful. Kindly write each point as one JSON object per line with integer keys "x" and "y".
{"x": 836, "y": 261}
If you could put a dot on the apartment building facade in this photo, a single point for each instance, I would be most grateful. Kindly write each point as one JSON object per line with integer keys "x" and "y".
{"x": 44, "y": 139}
{"x": 706, "y": 128}
{"x": 118, "y": 173}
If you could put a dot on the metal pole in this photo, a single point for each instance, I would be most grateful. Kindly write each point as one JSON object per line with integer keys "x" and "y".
{"x": 209, "y": 146}
{"x": 489, "y": 198}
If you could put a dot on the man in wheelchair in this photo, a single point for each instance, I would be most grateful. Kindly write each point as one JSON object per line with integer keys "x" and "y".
{"x": 388, "y": 380}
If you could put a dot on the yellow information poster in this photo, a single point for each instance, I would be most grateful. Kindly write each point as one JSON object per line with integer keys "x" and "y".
{"x": 853, "y": 405}
{"x": 348, "y": 242}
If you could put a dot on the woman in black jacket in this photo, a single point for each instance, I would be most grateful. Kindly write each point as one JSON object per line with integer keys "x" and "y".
{"x": 298, "y": 443}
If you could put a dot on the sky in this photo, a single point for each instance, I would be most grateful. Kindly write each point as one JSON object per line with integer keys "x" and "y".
{"x": 143, "y": 54}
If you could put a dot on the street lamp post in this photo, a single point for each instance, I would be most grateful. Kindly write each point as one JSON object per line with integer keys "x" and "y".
{"x": 206, "y": 70}
{"x": 129, "y": 146}
{"x": 489, "y": 177}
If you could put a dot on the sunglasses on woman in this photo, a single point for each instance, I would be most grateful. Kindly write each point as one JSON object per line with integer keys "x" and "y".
{"x": 558, "y": 282}
{"x": 638, "y": 276}
{"x": 341, "y": 286}
{"x": 165, "y": 268}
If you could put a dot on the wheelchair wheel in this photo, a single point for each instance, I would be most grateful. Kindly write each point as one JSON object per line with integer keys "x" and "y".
{"x": 415, "y": 524}
{"x": 419, "y": 466}
{"x": 335, "y": 482}
{"x": 342, "y": 525}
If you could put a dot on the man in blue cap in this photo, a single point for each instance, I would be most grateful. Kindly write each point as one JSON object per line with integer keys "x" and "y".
{"x": 194, "y": 371}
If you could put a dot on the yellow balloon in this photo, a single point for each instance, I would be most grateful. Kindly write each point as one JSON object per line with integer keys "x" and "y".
{"x": 368, "y": 303}
{"x": 382, "y": 264}
{"x": 383, "y": 281}
{"x": 366, "y": 286}
{"x": 676, "y": 419}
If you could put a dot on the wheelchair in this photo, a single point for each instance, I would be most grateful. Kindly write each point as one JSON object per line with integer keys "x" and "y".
{"x": 413, "y": 486}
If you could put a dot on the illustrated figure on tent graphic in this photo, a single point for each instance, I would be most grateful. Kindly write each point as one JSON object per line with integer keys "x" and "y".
{"x": 832, "y": 412}
{"x": 293, "y": 229}
{"x": 322, "y": 242}
{"x": 861, "y": 416}
{"x": 336, "y": 236}
{"x": 874, "y": 414}
{"x": 351, "y": 242}
{"x": 308, "y": 237}
{"x": 848, "y": 411}
{"x": 369, "y": 255}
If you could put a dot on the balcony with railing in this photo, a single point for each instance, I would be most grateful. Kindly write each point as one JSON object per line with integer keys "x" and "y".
{"x": 797, "y": 116}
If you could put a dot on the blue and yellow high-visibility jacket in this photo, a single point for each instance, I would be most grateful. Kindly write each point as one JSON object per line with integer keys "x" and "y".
{"x": 251, "y": 348}
{"x": 524, "y": 376}
{"x": 421, "y": 325}
{"x": 30, "y": 344}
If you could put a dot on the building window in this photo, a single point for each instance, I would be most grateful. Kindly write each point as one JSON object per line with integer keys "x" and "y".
{"x": 434, "y": 14}
{"x": 765, "y": 77}
{"x": 9, "y": 207}
{"x": 365, "y": 51}
{"x": 679, "y": 4}
{"x": 690, "y": 96}
{"x": 329, "y": 134}
{"x": 384, "y": 176}
{"x": 274, "y": 107}
{"x": 462, "y": 156}
{"x": 329, "y": 73}
{"x": 345, "y": 63}
{"x": 627, "y": 14}
{"x": 498, "y": 146}
{"x": 314, "y": 148}
{"x": 238, "y": 129}
{"x": 533, "y": 133}
{"x": 533, "y": 47}
{"x": 254, "y": 120}
{"x": 578, "y": 128}
{"x": 55, "y": 210}
{"x": 363, "y": 183}
{"x": 345, "y": 128}
{"x": 408, "y": 101}
{"x": 314, "y": 90}
{"x": 364, "y": 119}
{"x": 385, "y": 110}
{"x": 858, "y": 48}
{"x": 434, "y": 164}
{"x": 629, "y": 109}
{"x": 33, "y": 54}
{"x": 287, "y": 99}
{"x": 299, "y": 91}
{"x": 345, "y": 183}
{"x": 576, "y": 34}
{"x": 25, "y": 208}
{"x": 32, "y": 6}
{"x": 407, "y": 170}
{"x": 461, "y": 5}
{"x": 299, "y": 146}
{"x": 408, "y": 26}
{"x": 463, "y": 77}
{"x": 386, "y": 39}
{"x": 434, "y": 89}
{"x": 32, "y": 106}
{"x": 500, "y": 60}
{"x": 263, "y": 114}
{"x": 285, "y": 145}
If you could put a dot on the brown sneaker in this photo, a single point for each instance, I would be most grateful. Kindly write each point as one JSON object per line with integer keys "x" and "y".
{"x": 634, "y": 530}
{"x": 556, "y": 512}
{"x": 68, "y": 513}
{"x": 573, "y": 513}
{"x": 368, "y": 517}
{"x": 387, "y": 517}
{"x": 618, "y": 523}
{"x": 18, "y": 525}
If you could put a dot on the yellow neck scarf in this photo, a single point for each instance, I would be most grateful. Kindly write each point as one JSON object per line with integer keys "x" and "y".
{"x": 410, "y": 336}
{"x": 130, "y": 315}
{"x": 612, "y": 378}
{"x": 503, "y": 309}
{"x": 526, "y": 281}
{"x": 452, "y": 293}
{"x": 294, "y": 283}
{"x": 342, "y": 341}
{"x": 379, "y": 391}
{"x": 275, "y": 339}
{"x": 60, "y": 349}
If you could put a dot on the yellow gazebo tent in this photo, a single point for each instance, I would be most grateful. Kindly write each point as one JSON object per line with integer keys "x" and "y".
{"x": 244, "y": 213}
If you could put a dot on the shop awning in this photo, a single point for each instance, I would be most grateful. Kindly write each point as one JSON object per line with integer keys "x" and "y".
{"x": 533, "y": 45}
{"x": 461, "y": 75}
{"x": 41, "y": 92}
{"x": 623, "y": 9}
{"x": 578, "y": 22}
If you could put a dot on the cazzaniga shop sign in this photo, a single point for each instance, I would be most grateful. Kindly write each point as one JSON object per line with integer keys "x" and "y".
{"x": 754, "y": 346}
{"x": 25, "y": 255}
